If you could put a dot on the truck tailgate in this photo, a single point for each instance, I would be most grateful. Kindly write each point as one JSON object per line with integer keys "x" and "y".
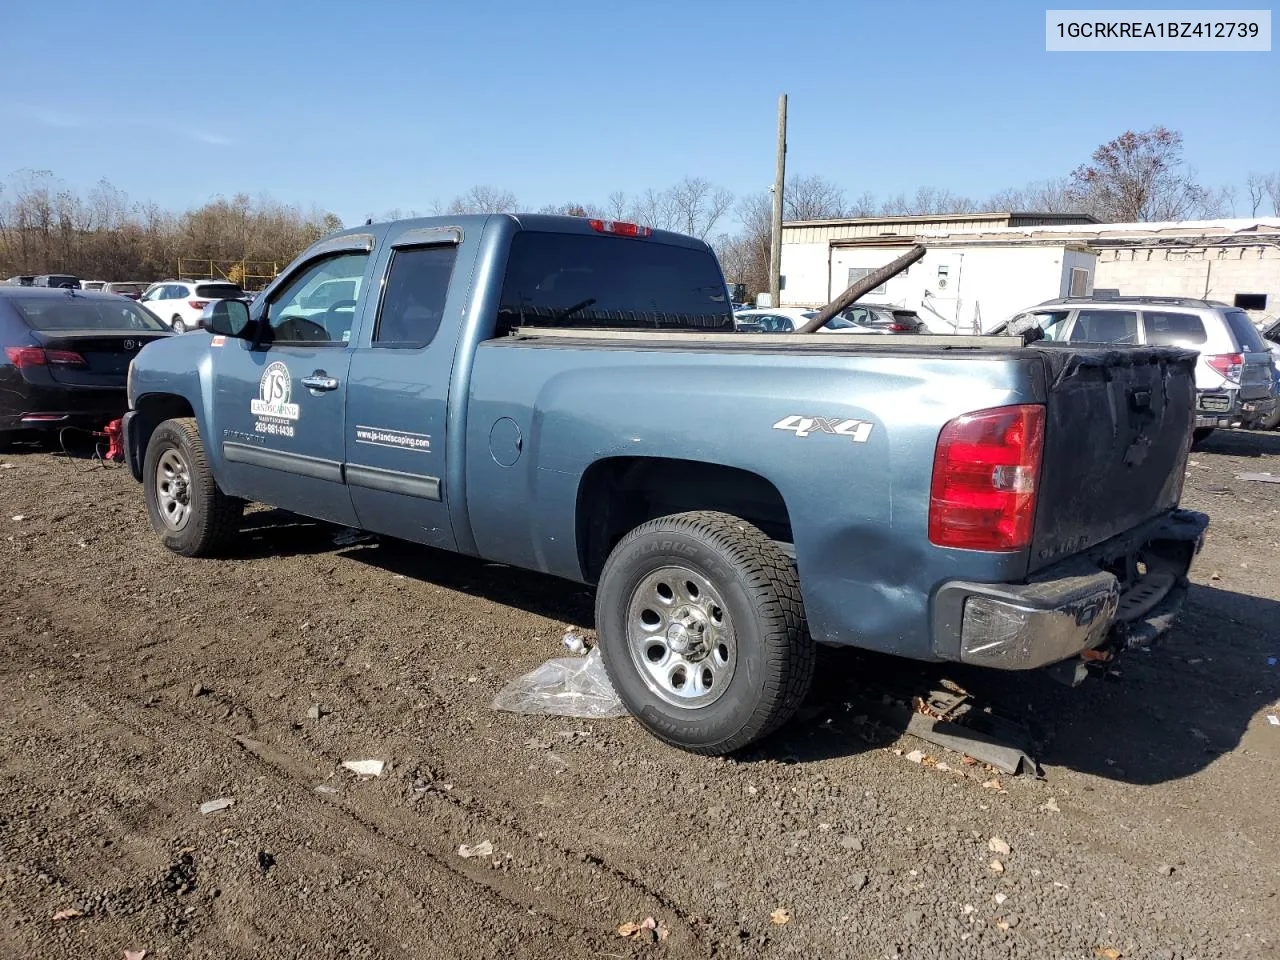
{"x": 1117, "y": 434}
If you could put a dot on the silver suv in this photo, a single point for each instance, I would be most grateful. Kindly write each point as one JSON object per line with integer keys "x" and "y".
{"x": 1234, "y": 379}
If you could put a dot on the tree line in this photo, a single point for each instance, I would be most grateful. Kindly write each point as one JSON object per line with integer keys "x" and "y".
{"x": 46, "y": 227}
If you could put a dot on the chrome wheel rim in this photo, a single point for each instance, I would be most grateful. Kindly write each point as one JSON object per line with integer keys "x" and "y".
{"x": 173, "y": 489}
{"x": 680, "y": 637}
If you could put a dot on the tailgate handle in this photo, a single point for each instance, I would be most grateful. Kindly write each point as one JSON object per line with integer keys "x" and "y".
{"x": 1140, "y": 399}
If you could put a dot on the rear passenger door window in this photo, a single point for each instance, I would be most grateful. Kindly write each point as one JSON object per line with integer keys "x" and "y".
{"x": 413, "y": 300}
{"x": 1105, "y": 326}
{"x": 1171, "y": 329}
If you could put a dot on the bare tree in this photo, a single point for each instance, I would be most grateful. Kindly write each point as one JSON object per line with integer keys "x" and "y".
{"x": 696, "y": 206}
{"x": 1140, "y": 176}
{"x": 1043, "y": 196}
{"x": 812, "y": 198}
{"x": 616, "y": 207}
{"x": 484, "y": 199}
{"x": 1264, "y": 190}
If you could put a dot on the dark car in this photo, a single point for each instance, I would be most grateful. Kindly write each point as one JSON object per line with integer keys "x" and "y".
{"x": 26, "y": 281}
{"x": 56, "y": 280}
{"x": 65, "y": 357}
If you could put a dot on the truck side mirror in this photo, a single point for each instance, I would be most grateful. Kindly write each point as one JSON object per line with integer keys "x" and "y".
{"x": 227, "y": 318}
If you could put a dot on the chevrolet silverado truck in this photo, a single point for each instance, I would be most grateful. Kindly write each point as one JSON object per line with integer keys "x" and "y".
{"x": 569, "y": 395}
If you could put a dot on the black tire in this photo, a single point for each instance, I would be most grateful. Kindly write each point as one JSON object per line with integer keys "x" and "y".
{"x": 179, "y": 326}
{"x": 212, "y": 519}
{"x": 773, "y": 654}
{"x": 1199, "y": 435}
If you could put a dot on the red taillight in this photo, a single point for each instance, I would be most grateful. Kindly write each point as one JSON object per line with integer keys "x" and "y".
{"x": 197, "y": 304}
{"x": 67, "y": 358}
{"x": 38, "y": 357}
{"x": 619, "y": 228}
{"x": 25, "y": 356}
{"x": 901, "y": 327}
{"x": 985, "y": 471}
{"x": 1227, "y": 364}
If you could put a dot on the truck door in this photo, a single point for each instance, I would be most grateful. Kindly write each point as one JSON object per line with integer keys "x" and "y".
{"x": 397, "y": 405}
{"x": 279, "y": 402}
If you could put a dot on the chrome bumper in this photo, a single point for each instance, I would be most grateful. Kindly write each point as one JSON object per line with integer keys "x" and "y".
{"x": 1060, "y": 615}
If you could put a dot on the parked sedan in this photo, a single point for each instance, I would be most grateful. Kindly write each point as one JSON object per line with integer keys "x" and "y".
{"x": 66, "y": 356}
{"x": 128, "y": 289}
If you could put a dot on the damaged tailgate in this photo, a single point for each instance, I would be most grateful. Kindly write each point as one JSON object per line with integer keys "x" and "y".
{"x": 1117, "y": 435}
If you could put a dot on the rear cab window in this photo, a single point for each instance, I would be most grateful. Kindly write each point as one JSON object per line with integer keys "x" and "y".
{"x": 589, "y": 281}
{"x": 1244, "y": 332}
{"x": 1166, "y": 328}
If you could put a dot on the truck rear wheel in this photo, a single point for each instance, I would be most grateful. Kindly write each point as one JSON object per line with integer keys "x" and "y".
{"x": 193, "y": 517}
{"x": 702, "y": 631}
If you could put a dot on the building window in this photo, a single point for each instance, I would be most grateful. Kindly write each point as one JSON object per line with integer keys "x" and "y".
{"x": 1079, "y": 282}
{"x": 1251, "y": 301}
{"x": 857, "y": 273}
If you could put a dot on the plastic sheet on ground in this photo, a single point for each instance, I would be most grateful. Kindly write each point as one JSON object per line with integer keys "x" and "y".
{"x": 563, "y": 687}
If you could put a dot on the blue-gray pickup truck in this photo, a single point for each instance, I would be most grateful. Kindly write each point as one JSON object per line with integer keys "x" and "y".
{"x": 569, "y": 395}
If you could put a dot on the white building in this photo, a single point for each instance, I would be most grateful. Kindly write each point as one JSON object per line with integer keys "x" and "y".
{"x": 978, "y": 271}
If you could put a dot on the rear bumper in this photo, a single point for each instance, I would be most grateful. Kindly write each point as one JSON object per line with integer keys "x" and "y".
{"x": 38, "y": 407}
{"x": 1226, "y": 408}
{"x": 1071, "y": 608}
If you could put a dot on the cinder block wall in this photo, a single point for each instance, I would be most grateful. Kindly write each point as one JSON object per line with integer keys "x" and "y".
{"x": 1216, "y": 273}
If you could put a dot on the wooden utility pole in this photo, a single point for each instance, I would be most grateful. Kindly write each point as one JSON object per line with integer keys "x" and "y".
{"x": 779, "y": 179}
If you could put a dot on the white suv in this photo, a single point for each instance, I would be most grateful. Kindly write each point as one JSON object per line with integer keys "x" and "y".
{"x": 1233, "y": 376}
{"x": 179, "y": 303}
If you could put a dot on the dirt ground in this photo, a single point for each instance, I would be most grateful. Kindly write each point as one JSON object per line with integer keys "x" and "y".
{"x": 136, "y": 685}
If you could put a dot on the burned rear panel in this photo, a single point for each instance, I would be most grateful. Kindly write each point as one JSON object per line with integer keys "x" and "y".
{"x": 1117, "y": 434}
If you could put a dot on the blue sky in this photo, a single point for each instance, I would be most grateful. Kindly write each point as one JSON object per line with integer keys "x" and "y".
{"x": 364, "y": 107}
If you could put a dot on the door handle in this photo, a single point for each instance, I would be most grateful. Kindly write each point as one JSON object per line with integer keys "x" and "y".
{"x": 320, "y": 381}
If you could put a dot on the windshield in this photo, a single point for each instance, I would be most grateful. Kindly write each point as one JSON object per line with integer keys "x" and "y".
{"x": 218, "y": 291}
{"x": 80, "y": 313}
{"x": 577, "y": 280}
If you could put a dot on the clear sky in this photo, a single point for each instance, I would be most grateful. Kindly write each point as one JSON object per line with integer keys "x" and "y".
{"x": 360, "y": 107}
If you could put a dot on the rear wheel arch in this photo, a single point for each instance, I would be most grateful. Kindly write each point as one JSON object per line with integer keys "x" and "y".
{"x": 618, "y": 494}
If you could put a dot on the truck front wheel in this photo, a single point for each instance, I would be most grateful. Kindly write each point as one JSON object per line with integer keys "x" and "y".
{"x": 702, "y": 631}
{"x": 193, "y": 517}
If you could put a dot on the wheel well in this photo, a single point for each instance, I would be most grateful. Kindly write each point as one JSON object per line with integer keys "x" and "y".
{"x": 152, "y": 410}
{"x": 618, "y": 494}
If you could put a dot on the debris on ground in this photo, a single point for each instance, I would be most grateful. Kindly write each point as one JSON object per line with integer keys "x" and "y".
{"x": 780, "y": 916}
{"x": 135, "y": 955}
{"x": 1273, "y": 719}
{"x": 19, "y": 517}
{"x": 574, "y": 643}
{"x": 998, "y": 846}
{"x": 1050, "y": 806}
{"x": 364, "y": 768}
{"x": 1108, "y": 953}
{"x": 349, "y": 536}
{"x": 325, "y": 788}
{"x": 69, "y": 914}
{"x": 316, "y": 711}
{"x": 1259, "y": 477}
{"x": 916, "y": 756}
{"x": 198, "y": 689}
{"x": 996, "y": 866}
{"x": 213, "y": 806}
{"x": 647, "y": 929}
{"x": 482, "y": 849}
{"x": 265, "y": 861}
{"x": 563, "y": 687}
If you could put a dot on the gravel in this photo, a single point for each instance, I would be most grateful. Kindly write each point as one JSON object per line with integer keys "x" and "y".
{"x": 1168, "y": 850}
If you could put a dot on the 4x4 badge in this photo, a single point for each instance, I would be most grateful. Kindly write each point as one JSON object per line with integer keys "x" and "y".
{"x": 857, "y": 430}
